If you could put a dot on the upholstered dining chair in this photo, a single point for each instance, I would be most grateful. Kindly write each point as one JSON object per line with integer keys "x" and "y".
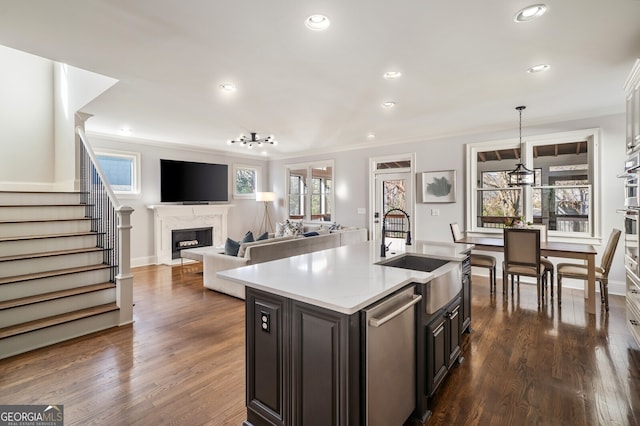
{"x": 478, "y": 260}
{"x": 571, "y": 270}
{"x": 548, "y": 265}
{"x": 522, "y": 258}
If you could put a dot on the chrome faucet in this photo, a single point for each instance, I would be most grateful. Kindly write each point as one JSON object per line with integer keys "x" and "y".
{"x": 383, "y": 247}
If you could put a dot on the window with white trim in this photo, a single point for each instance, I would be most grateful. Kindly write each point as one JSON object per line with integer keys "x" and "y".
{"x": 122, "y": 171}
{"x": 310, "y": 191}
{"x": 565, "y": 194}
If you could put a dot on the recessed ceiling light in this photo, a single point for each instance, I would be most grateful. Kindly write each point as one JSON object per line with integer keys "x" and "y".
{"x": 530, "y": 13}
{"x": 228, "y": 87}
{"x": 125, "y": 131}
{"x": 317, "y": 22}
{"x": 391, "y": 75}
{"x": 371, "y": 135}
{"x": 388, "y": 104}
{"x": 538, "y": 68}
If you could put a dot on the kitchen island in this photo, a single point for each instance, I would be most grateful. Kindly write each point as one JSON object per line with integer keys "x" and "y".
{"x": 307, "y": 342}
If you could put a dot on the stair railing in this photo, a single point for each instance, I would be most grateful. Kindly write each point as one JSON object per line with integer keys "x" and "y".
{"x": 111, "y": 221}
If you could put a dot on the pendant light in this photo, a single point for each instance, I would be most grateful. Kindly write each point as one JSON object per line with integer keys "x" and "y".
{"x": 521, "y": 175}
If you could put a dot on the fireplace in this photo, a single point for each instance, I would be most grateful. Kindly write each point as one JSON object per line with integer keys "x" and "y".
{"x": 190, "y": 238}
{"x": 172, "y": 217}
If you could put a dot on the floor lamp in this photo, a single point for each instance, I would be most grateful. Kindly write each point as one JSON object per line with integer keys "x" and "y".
{"x": 266, "y": 198}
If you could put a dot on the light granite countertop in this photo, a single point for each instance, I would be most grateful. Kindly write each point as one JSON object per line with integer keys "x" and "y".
{"x": 345, "y": 279}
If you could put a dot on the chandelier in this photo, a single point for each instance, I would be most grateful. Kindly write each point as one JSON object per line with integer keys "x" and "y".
{"x": 521, "y": 175}
{"x": 255, "y": 139}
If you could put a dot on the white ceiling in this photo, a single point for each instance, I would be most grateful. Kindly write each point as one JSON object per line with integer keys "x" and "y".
{"x": 463, "y": 62}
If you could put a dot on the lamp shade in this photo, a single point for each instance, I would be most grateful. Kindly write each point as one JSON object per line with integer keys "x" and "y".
{"x": 267, "y": 197}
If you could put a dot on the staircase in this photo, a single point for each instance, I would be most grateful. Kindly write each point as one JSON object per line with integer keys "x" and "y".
{"x": 54, "y": 282}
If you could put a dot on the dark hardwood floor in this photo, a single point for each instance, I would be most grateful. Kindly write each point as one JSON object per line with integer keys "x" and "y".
{"x": 182, "y": 362}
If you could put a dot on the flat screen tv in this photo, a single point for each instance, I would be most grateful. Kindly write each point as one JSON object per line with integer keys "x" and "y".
{"x": 193, "y": 183}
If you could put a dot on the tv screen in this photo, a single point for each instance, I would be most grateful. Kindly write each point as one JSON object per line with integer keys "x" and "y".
{"x": 190, "y": 182}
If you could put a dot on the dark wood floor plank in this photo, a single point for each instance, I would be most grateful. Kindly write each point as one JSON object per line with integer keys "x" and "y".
{"x": 182, "y": 362}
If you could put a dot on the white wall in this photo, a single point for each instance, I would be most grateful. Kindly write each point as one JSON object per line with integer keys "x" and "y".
{"x": 352, "y": 179}
{"x": 244, "y": 216}
{"x": 73, "y": 88}
{"x": 37, "y": 106}
{"x": 26, "y": 121}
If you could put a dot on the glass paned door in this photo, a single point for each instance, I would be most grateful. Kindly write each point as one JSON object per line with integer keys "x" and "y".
{"x": 393, "y": 190}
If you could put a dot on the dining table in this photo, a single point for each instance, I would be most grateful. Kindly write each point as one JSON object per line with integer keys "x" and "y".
{"x": 585, "y": 252}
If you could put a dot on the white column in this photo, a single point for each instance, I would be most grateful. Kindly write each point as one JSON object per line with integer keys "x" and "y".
{"x": 124, "y": 279}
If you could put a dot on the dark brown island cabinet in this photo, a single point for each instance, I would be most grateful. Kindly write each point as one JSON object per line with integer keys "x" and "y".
{"x": 306, "y": 364}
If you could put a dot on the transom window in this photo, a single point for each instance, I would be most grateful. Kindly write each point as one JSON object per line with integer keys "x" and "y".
{"x": 564, "y": 194}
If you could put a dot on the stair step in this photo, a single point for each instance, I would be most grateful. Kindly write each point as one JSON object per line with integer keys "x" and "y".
{"x": 48, "y": 274}
{"x": 38, "y": 197}
{"x": 28, "y": 228}
{"x": 51, "y": 261}
{"x": 23, "y": 212}
{"x": 54, "y": 295}
{"x": 47, "y": 236}
{"x": 50, "y": 254}
{"x": 14, "y": 246}
{"x": 56, "y": 320}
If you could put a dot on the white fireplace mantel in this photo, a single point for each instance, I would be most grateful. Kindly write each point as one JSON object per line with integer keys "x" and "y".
{"x": 168, "y": 217}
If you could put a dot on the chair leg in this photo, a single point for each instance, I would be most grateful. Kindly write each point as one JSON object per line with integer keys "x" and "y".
{"x": 493, "y": 279}
{"x": 551, "y": 283}
{"x": 559, "y": 289}
{"x": 538, "y": 288}
{"x": 601, "y": 293}
{"x": 605, "y": 285}
{"x": 505, "y": 284}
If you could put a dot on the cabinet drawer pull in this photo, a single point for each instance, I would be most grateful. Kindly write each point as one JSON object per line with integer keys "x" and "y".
{"x": 634, "y": 322}
{"x": 634, "y": 291}
{"x": 439, "y": 330}
{"x": 377, "y": 322}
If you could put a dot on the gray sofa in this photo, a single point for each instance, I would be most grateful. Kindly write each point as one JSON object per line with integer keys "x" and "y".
{"x": 214, "y": 260}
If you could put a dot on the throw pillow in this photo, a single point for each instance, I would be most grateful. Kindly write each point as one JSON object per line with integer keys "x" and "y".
{"x": 248, "y": 237}
{"x": 311, "y": 234}
{"x": 293, "y": 228}
{"x": 263, "y": 236}
{"x": 279, "y": 229}
{"x": 231, "y": 247}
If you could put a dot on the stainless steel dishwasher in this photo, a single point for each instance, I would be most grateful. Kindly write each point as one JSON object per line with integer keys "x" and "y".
{"x": 390, "y": 359}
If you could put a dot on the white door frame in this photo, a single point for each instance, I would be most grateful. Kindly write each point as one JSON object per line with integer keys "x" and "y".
{"x": 373, "y": 172}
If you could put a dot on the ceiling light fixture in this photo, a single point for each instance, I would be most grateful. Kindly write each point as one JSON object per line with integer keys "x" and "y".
{"x": 530, "y": 13}
{"x": 388, "y": 104}
{"x": 391, "y": 75}
{"x": 371, "y": 136}
{"x": 255, "y": 139}
{"x": 538, "y": 68}
{"x": 317, "y": 22}
{"x": 228, "y": 87}
{"x": 521, "y": 175}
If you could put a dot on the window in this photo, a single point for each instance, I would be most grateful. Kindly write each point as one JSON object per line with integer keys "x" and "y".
{"x": 563, "y": 197}
{"x": 310, "y": 191}
{"x": 245, "y": 181}
{"x": 122, "y": 171}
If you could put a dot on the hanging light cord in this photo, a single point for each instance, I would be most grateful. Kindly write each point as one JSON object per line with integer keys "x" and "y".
{"x": 520, "y": 108}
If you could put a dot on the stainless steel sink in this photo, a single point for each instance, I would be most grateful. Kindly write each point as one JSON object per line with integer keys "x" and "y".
{"x": 415, "y": 263}
{"x": 440, "y": 290}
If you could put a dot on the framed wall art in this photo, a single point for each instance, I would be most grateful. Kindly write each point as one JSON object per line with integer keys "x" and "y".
{"x": 437, "y": 187}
